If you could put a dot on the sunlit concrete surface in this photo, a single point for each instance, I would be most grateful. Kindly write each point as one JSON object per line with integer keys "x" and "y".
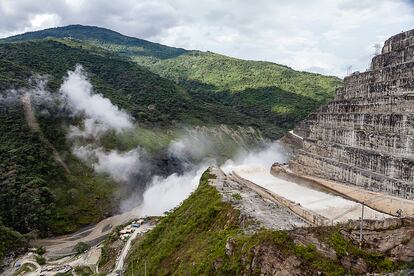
{"x": 334, "y": 207}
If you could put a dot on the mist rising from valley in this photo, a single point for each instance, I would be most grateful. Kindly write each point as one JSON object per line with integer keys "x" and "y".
{"x": 151, "y": 181}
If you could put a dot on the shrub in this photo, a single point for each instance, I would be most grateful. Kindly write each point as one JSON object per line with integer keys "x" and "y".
{"x": 40, "y": 251}
{"x": 81, "y": 247}
{"x": 236, "y": 196}
{"x": 40, "y": 260}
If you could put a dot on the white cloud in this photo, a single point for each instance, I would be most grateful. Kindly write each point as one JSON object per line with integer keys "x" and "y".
{"x": 44, "y": 20}
{"x": 336, "y": 34}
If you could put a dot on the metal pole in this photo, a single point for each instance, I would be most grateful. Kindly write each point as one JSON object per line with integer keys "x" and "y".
{"x": 361, "y": 225}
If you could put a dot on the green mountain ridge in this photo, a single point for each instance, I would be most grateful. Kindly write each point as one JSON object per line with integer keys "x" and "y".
{"x": 98, "y": 34}
{"x": 276, "y": 94}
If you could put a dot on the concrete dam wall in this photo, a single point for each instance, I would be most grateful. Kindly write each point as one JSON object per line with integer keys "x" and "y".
{"x": 365, "y": 136}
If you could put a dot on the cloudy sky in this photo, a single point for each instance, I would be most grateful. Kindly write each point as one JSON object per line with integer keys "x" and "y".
{"x": 324, "y": 36}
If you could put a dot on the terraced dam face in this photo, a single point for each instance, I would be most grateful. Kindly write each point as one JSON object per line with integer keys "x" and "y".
{"x": 365, "y": 136}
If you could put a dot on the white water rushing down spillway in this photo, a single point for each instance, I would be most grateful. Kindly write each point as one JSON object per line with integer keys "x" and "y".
{"x": 334, "y": 207}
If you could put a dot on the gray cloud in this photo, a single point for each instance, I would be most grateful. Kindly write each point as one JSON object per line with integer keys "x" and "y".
{"x": 321, "y": 36}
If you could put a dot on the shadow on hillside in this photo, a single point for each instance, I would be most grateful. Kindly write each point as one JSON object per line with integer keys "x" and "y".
{"x": 270, "y": 109}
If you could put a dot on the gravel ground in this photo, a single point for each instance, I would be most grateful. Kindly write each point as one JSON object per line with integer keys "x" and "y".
{"x": 251, "y": 205}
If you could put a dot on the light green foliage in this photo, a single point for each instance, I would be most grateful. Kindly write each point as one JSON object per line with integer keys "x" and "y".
{"x": 150, "y": 139}
{"x": 375, "y": 260}
{"x": 81, "y": 247}
{"x": 40, "y": 260}
{"x": 269, "y": 91}
{"x": 236, "y": 75}
{"x": 196, "y": 232}
{"x": 236, "y": 196}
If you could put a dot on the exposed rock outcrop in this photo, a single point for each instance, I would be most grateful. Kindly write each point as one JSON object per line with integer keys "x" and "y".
{"x": 365, "y": 136}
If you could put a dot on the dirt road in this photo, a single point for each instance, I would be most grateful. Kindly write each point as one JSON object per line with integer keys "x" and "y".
{"x": 119, "y": 266}
{"x": 63, "y": 245}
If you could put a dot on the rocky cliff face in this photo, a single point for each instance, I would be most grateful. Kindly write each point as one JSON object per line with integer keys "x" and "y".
{"x": 365, "y": 136}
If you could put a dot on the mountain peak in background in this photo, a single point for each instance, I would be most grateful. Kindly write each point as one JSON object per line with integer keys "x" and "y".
{"x": 100, "y": 35}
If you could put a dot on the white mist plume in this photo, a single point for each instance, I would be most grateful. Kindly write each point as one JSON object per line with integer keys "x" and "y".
{"x": 164, "y": 194}
{"x": 273, "y": 152}
{"x": 100, "y": 113}
{"x": 39, "y": 94}
{"x": 119, "y": 165}
{"x": 193, "y": 144}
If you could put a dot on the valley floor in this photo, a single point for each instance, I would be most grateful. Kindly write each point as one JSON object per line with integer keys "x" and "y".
{"x": 62, "y": 246}
{"x": 90, "y": 259}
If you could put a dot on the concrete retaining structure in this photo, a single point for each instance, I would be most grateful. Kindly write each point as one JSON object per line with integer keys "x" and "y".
{"x": 365, "y": 136}
{"x": 309, "y": 216}
{"x": 377, "y": 201}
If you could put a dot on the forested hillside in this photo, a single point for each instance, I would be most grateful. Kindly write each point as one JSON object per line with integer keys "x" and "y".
{"x": 274, "y": 89}
{"x": 162, "y": 88}
{"x": 32, "y": 180}
{"x": 35, "y": 192}
{"x": 236, "y": 75}
{"x": 267, "y": 96}
{"x": 122, "y": 43}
